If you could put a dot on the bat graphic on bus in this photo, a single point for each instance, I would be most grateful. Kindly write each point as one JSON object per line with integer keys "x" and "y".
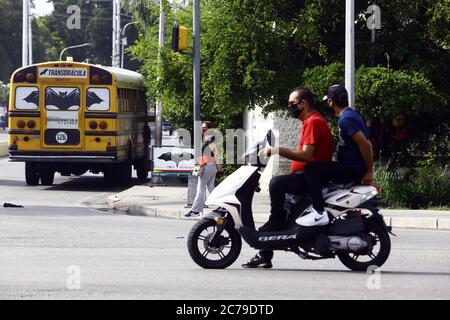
{"x": 176, "y": 157}
{"x": 33, "y": 97}
{"x": 62, "y": 100}
{"x": 92, "y": 98}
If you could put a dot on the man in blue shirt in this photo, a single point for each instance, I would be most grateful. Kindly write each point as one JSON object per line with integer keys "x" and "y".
{"x": 355, "y": 155}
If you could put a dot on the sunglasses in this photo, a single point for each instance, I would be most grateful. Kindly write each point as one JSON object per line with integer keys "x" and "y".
{"x": 290, "y": 105}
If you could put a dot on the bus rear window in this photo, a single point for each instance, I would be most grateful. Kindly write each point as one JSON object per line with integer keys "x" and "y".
{"x": 27, "y": 98}
{"x": 97, "y": 99}
{"x": 57, "y": 98}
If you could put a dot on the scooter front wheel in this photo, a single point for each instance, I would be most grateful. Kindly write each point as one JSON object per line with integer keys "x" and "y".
{"x": 209, "y": 255}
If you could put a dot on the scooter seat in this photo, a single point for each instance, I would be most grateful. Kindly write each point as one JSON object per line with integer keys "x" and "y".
{"x": 339, "y": 186}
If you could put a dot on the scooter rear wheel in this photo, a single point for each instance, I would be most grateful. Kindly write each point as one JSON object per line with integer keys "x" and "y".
{"x": 380, "y": 239}
{"x": 210, "y": 256}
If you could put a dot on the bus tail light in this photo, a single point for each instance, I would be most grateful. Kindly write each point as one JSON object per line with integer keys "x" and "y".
{"x": 21, "y": 124}
{"x": 93, "y": 125}
{"x": 100, "y": 76}
{"x": 20, "y": 77}
{"x": 95, "y": 78}
{"x": 29, "y": 77}
{"x": 103, "y": 125}
{"x": 15, "y": 139}
{"x": 108, "y": 142}
{"x": 26, "y": 75}
{"x": 31, "y": 124}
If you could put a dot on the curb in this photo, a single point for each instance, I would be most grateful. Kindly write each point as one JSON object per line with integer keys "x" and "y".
{"x": 395, "y": 222}
{"x": 3, "y": 149}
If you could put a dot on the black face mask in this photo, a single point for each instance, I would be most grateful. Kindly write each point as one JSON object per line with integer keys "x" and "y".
{"x": 294, "y": 112}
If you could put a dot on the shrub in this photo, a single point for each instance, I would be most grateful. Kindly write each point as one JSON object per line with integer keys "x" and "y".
{"x": 408, "y": 118}
{"x": 417, "y": 188}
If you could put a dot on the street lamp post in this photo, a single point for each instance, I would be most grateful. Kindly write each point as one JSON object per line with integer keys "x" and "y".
{"x": 116, "y": 33}
{"x": 159, "y": 104}
{"x": 27, "y": 48}
{"x": 350, "y": 51}
{"x": 72, "y": 47}
{"x": 197, "y": 123}
{"x": 124, "y": 42}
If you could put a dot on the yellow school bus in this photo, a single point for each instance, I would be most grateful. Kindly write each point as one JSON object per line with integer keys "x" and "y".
{"x": 71, "y": 117}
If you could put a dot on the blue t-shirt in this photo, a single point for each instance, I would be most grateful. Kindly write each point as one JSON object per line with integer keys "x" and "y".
{"x": 350, "y": 122}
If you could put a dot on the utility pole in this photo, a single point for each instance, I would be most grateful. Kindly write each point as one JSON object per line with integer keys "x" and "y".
{"x": 30, "y": 36}
{"x": 158, "y": 119}
{"x": 350, "y": 50}
{"x": 116, "y": 34}
{"x": 114, "y": 26}
{"x": 25, "y": 33}
{"x": 197, "y": 123}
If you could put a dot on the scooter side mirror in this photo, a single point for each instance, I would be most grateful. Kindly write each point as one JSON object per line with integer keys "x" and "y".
{"x": 252, "y": 154}
{"x": 270, "y": 138}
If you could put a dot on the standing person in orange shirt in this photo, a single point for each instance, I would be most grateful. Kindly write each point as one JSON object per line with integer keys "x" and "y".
{"x": 210, "y": 162}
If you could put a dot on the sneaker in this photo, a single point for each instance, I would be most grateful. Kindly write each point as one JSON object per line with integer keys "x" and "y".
{"x": 191, "y": 214}
{"x": 313, "y": 219}
{"x": 258, "y": 262}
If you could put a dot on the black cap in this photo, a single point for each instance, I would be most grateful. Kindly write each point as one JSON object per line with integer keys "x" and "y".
{"x": 338, "y": 94}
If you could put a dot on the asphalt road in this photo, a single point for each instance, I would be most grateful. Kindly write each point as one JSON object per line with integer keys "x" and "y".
{"x": 125, "y": 257}
{"x": 87, "y": 189}
{"x": 55, "y": 245}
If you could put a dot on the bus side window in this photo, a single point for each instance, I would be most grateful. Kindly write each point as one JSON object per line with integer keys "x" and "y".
{"x": 135, "y": 101}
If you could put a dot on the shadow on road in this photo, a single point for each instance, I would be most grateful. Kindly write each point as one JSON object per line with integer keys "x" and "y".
{"x": 12, "y": 183}
{"x": 93, "y": 183}
{"x": 90, "y": 184}
{"x": 399, "y": 273}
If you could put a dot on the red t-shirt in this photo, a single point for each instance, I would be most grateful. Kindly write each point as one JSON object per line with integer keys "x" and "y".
{"x": 314, "y": 131}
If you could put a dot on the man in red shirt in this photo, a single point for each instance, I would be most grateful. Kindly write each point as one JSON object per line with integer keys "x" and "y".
{"x": 315, "y": 144}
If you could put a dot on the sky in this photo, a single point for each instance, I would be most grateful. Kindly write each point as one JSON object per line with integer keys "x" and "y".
{"x": 42, "y": 7}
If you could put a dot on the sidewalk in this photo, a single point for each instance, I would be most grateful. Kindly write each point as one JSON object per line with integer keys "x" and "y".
{"x": 3, "y": 143}
{"x": 170, "y": 202}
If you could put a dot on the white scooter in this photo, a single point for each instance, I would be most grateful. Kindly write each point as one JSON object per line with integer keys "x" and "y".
{"x": 357, "y": 233}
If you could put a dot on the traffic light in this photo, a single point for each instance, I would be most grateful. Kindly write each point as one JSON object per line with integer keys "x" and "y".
{"x": 180, "y": 38}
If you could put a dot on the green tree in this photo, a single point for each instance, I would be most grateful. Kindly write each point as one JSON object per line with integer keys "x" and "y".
{"x": 382, "y": 95}
{"x": 57, "y": 23}
{"x": 10, "y": 38}
{"x": 96, "y": 28}
{"x": 253, "y": 52}
{"x": 44, "y": 42}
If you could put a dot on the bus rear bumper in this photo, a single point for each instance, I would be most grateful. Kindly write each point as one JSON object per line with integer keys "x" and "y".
{"x": 63, "y": 156}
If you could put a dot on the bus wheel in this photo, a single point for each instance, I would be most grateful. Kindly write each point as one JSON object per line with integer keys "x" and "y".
{"x": 109, "y": 176}
{"x": 125, "y": 173}
{"x": 31, "y": 174}
{"x": 47, "y": 176}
